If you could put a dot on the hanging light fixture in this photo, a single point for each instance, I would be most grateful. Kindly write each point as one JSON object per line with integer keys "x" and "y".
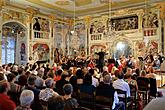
{"x": 74, "y": 17}
{"x": 111, "y": 27}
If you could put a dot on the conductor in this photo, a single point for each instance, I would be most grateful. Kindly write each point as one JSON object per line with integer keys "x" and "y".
{"x": 101, "y": 59}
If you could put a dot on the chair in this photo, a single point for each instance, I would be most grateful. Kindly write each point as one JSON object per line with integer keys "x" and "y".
{"x": 104, "y": 103}
{"x": 87, "y": 100}
{"x": 143, "y": 87}
{"x": 134, "y": 93}
{"x": 124, "y": 97}
{"x": 153, "y": 89}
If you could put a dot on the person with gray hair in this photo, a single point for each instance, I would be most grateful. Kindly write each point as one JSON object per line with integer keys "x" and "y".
{"x": 47, "y": 93}
{"x": 39, "y": 83}
{"x": 26, "y": 99}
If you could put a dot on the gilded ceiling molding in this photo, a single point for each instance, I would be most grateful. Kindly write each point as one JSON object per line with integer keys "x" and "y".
{"x": 31, "y": 12}
{"x": 87, "y": 20}
{"x": 85, "y": 11}
{"x": 52, "y": 17}
{"x": 2, "y": 3}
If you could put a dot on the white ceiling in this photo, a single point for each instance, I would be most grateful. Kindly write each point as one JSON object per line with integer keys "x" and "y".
{"x": 83, "y": 6}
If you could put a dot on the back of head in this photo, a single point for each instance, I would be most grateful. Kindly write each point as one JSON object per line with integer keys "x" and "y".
{"x": 107, "y": 79}
{"x": 49, "y": 82}
{"x": 79, "y": 74}
{"x": 10, "y": 77}
{"x": 64, "y": 75}
{"x": 59, "y": 72}
{"x": 4, "y": 85}
{"x": 26, "y": 97}
{"x": 142, "y": 73}
{"x": 68, "y": 89}
{"x": 91, "y": 71}
{"x": 22, "y": 80}
{"x": 87, "y": 79}
{"x": 120, "y": 75}
{"x": 39, "y": 82}
{"x": 56, "y": 103}
{"x": 31, "y": 80}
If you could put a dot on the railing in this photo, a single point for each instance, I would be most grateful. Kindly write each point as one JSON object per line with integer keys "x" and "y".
{"x": 96, "y": 37}
{"x": 150, "y": 31}
{"x": 41, "y": 34}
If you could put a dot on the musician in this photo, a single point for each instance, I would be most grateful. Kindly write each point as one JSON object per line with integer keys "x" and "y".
{"x": 101, "y": 62}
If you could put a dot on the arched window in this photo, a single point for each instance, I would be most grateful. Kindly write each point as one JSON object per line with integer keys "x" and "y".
{"x": 8, "y": 49}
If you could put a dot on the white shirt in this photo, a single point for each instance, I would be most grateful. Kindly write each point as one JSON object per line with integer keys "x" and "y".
{"x": 116, "y": 100}
{"x": 95, "y": 81}
{"x": 122, "y": 85}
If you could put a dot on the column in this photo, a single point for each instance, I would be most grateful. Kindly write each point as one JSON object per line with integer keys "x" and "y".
{"x": 161, "y": 6}
{"x": 29, "y": 34}
{"x": 70, "y": 23}
{"x": 1, "y": 22}
{"x": 87, "y": 22}
{"x": 51, "y": 38}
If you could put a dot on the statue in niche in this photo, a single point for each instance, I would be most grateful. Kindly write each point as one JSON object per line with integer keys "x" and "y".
{"x": 23, "y": 51}
{"x": 56, "y": 56}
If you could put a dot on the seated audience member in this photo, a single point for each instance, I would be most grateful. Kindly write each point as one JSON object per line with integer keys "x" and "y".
{"x": 95, "y": 81}
{"x": 47, "y": 93}
{"x": 121, "y": 84}
{"x": 73, "y": 82}
{"x": 31, "y": 86}
{"x": 61, "y": 83}
{"x": 39, "y": 83}
{"x": 26, "y": 98}
{"x": 129, "y": 71}
{"x": 5, "y": 102}
{"x": 142, "y": 73}
{"x": 57, "y": 77}
{"x": 87, "y": 86}
{"x": 106, "y": 89}
{"x": 130, "y": 81}
{"x": 56, "y": 103}
{"x": 151, "y": 73}
{"x": 15, "y": 89}
{"x": 70, "y": 103}
{"x": 80, "y": 76}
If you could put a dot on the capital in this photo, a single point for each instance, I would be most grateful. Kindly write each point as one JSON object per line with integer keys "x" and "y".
{"x": 52, "y": 17}
{"x": 2, "y": 3}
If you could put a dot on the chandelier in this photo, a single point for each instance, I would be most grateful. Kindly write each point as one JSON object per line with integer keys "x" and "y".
{"x": 111, "y": 27}
{"x": 74, "y": 19}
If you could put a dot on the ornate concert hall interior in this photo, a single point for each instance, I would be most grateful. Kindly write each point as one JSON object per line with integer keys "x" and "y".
{"x": 130, "y": 34}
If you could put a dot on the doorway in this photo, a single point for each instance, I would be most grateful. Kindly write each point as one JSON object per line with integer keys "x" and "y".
{"x": 121, "y": 48}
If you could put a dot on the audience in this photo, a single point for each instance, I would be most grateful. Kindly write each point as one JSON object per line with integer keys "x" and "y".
{"x": 121, "y": 84}
{"x": 58, "y": 88}
{"x": 5, "y": 102}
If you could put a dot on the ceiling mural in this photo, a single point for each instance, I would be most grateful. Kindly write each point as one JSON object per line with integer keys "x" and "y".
{"x": 82, "y": 6}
